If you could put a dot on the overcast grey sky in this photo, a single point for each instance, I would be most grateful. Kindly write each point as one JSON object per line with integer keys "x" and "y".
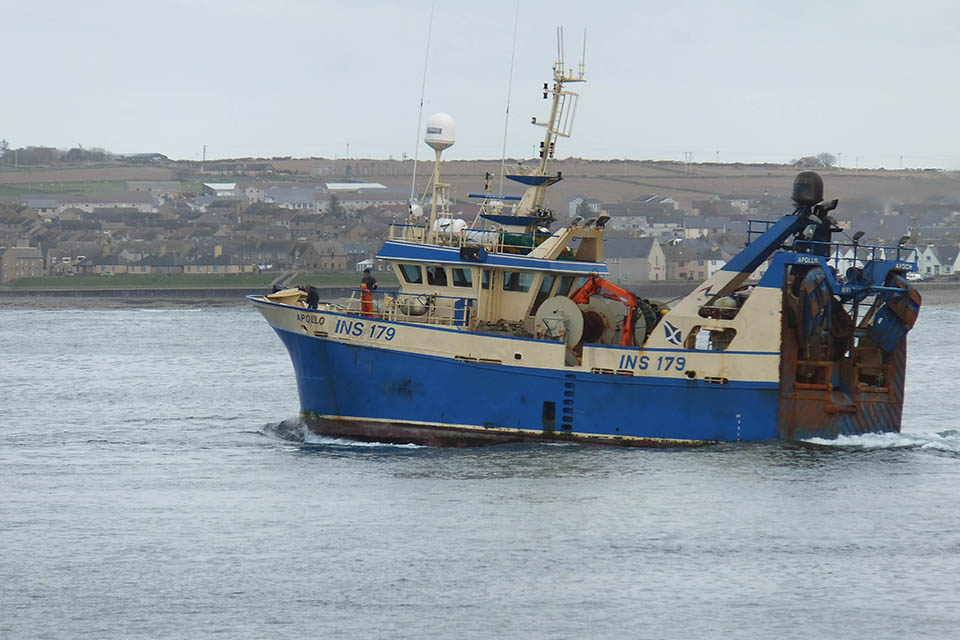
{"x": 754, "y": 81}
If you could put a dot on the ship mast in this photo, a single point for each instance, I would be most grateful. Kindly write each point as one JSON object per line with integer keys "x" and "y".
{"x": 563, "y": 108}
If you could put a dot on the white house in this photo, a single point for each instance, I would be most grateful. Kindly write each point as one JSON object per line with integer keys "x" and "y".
{"x": 142, "y": 201}
{"x": 939, "y": 260}
{"x": 220, "y": 189}
{"x": 294, "y": 198}
{"x": 373, "y": 264}
{"x": 593, "y": 205}
{"x": 716, "y": 259}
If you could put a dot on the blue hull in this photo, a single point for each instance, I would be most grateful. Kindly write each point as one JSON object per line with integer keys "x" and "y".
{"x": 384, "y": 395}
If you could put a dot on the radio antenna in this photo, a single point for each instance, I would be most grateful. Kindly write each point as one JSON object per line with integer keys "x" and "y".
{"x": 506, "y": 119}
{"x": 560, "y": 46}
{"x": 583, "y": 57}
{"x": 423, "y": 88}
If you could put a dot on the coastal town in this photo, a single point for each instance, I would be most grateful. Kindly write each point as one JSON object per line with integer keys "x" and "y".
{"x": 284, "y": 218}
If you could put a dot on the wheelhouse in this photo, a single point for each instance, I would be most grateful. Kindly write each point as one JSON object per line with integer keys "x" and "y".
{"x": 502, "y": 274}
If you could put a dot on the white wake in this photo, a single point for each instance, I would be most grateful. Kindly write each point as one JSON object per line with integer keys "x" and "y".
{"x": 295, "y": 430}
{"x": 939, "y": 441}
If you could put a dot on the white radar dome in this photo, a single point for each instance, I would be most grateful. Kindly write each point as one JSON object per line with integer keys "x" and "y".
{"x": 441, "y": 131}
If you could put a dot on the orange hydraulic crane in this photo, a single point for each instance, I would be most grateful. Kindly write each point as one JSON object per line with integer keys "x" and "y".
{"x": 610, "y": 291}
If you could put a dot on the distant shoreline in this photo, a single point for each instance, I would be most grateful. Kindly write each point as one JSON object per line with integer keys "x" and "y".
{"x": 137, "y": 298}
{"x": 934, "y": 294}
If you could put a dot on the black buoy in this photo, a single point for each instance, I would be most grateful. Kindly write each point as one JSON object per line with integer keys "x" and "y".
{"x": 808, "y": 188}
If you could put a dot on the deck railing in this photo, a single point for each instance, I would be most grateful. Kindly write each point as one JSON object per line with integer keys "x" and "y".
{"x": 844, "y": 255}
{"x": 411, "y": 307}
{"x": 493, "y": 240}
{"x": 758, "y": 228}
{"x": 408, "y": 232}
{"x": 840, "y": 255}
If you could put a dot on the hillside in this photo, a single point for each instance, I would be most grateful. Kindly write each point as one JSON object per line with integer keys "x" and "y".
{"x": 608, "y": 181}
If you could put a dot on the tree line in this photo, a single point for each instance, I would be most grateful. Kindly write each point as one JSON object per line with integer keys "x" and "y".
{"x": 819, "y": 161}
{"x": 45, "y": 156}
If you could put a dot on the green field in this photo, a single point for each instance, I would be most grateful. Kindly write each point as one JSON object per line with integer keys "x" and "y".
{"x": 26, "y": 190}
{"x": 239, "y": 281}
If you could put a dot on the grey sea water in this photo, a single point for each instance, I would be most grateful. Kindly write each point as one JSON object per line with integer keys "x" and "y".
{"x": 151, "y": 488}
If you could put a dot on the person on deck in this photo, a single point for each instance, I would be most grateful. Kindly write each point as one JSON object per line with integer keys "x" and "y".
{"x": 367, "y": 286}
{"x": 313, "y": 297}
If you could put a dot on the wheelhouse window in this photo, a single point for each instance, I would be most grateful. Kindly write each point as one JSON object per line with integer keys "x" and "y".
{"x": 545, "y": 287}
{"x": 411, "y": 273}
{"x": 437, "y": 275}
{"x": 485, "y": 279}
{"x": 563, "y": 289}
{"x": 462, "y": 277}
{"x": 517, "y": 281}
{"x": 578, "y": 282}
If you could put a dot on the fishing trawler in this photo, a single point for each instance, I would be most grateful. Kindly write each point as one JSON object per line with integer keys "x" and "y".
{"x": 505, "y": 330}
